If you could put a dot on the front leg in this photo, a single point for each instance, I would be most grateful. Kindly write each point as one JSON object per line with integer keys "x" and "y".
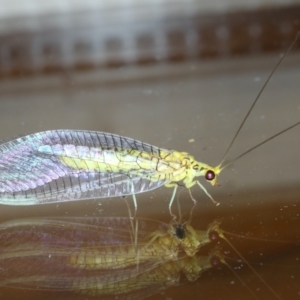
{"x": 174, "y": 185}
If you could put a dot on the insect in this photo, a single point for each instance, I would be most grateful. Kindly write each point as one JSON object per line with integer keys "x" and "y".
{"x": 98, "y": 243}
{"x": 154, "y": 280}
{"x": 96, "y": 256}
{"x": 66, "y": 165}
{"x": 88, "y": 254}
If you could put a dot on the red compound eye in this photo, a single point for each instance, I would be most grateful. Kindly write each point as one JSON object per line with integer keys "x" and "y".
{"x": 210, "y": 175}
{"x": 214, "y": 236}
{"x": 215, "y": 261}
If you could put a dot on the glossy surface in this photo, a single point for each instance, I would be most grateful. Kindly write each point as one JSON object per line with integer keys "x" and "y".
{"x": 97, "y": 256}
{"x": 258, "y": 195}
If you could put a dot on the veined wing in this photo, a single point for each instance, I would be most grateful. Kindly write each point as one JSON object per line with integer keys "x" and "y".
{"x": 135, "y": 286}
{"x": 67, "y": 165}
{"x": 74, "y": 232}
{"x": 63, "y": 254}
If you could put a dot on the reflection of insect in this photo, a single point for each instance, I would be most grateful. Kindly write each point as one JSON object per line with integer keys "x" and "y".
{"x": 153, "y": 280}
{"x": 97, "y": 256}
{"x": 98, "y": 243}
{"x": 66, "y": 165}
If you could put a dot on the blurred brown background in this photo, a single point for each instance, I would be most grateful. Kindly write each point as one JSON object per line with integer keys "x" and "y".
{"x": 166, "y": 72}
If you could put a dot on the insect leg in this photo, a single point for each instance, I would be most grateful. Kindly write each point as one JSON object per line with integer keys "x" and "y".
{"x": 134, "y": 198}
{"x": 172, "y": 200}
{"x": 195, "y": 203}
{"x": 207, "y": 193}
{"x": 135, "y": 203}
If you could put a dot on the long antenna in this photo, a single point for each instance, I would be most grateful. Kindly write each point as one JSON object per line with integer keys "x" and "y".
{"x": 265, "y": 141}
{"x": 253, "y": 104}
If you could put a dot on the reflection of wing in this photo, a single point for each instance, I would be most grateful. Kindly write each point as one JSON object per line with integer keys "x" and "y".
{"x": 73, "y": 248}
{"x": 71, "y": 233}
{"x": 66, "y": 165}
{"x": 138, "y": 286}
{"x": 93, "y": 257}
{"x": 51, "y": 272}
{"x": 83, "y": 255}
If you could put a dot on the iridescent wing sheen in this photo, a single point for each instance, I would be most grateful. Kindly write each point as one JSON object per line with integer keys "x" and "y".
{"x": 32, "y": 170}
{"x": 74, "y": 232}
{"x": 39, "y": 254}
{"x": 105, "y": 285}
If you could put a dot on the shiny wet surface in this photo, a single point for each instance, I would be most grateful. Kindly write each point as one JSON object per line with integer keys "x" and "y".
{"x": 169, "y": 106}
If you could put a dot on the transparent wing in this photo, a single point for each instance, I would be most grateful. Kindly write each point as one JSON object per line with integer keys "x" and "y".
{"x": 84, "y": 255}
{"x": 73, "y": 232}
{"x": 134, "y": 288}
{"x": 67, "y": 165}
